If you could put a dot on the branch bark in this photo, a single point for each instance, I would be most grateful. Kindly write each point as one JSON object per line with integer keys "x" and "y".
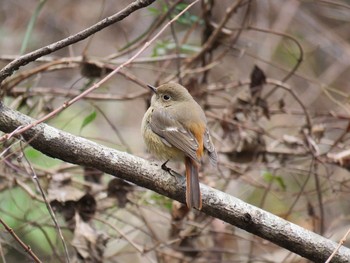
{"x": 77, "y": 150}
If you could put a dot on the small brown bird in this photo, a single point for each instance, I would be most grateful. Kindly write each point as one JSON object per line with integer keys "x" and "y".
{"x": 174, "y": 127}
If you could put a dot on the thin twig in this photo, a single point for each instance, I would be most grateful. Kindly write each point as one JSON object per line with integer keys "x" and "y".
{"x": 298, "y": 45}
{"x": 2, "y": 253}
{"x": 132, "y": 243}
{"x": 177, "y": 46}
{"x": 211, "y": 41}
{"x": 32, "y": 56}
{"x": 49, "y": 208}
{"x": 319, "y": 198}
{"x": 291, "y": 91}
{"x": 341, "y": 242}
{"x": 134, "y": 44}
{"x": 58, "y": 91}
{"x": 114, "y": 128}
{"x": 19, "y": 241}
{"x": 79, "y": 59}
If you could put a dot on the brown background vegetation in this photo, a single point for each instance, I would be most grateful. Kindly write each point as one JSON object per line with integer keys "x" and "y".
{"x": 282, "y": 143}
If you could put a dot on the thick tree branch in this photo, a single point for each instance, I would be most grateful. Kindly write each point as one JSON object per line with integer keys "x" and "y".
{"x": 77, "y": 150}
{"x": 32, "y": 56}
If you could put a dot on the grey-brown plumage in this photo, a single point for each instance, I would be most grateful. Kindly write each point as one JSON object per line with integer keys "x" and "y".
{"x": 175, "y": 127}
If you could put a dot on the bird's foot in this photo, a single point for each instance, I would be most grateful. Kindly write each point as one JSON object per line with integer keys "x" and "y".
{"x": 166, "y": 168}
{"x": 173, "y": 173}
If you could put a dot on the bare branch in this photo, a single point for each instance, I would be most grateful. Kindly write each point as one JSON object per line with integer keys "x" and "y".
{"x": 32, "y": 56}
{"x": 77, "y": 150}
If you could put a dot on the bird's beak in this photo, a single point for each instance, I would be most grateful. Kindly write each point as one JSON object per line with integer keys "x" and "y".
{"x": 154, "y": 89}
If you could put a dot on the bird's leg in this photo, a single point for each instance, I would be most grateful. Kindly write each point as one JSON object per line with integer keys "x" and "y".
{"x": 171, "y": 171}
{"x": 166, "y": 168}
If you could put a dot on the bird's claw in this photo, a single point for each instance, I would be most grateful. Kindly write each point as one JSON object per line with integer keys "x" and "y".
{"x": 172, "y": 172}
{"x": 166, "y": 168}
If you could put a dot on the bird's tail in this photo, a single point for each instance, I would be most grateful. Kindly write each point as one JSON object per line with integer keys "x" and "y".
{"x": 193, "y": 192}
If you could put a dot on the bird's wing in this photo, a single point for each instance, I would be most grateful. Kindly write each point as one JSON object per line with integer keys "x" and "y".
{"x": 173, "y": 133}
{"x": 209, "y": 146}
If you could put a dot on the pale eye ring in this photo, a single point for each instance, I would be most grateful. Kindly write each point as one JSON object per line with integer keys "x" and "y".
{"x": 166, "y": 97}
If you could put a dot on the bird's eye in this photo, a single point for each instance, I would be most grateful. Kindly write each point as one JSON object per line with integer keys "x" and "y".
{"x": 166, "y": 97}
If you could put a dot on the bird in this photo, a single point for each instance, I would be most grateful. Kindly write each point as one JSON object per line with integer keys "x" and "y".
{"x": 175, "y": 128}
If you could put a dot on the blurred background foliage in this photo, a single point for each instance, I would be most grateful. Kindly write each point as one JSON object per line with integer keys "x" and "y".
{"x": 281, "y": 128}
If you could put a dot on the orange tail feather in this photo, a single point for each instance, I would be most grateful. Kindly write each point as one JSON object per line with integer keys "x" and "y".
{"x": 193, "y": 192}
